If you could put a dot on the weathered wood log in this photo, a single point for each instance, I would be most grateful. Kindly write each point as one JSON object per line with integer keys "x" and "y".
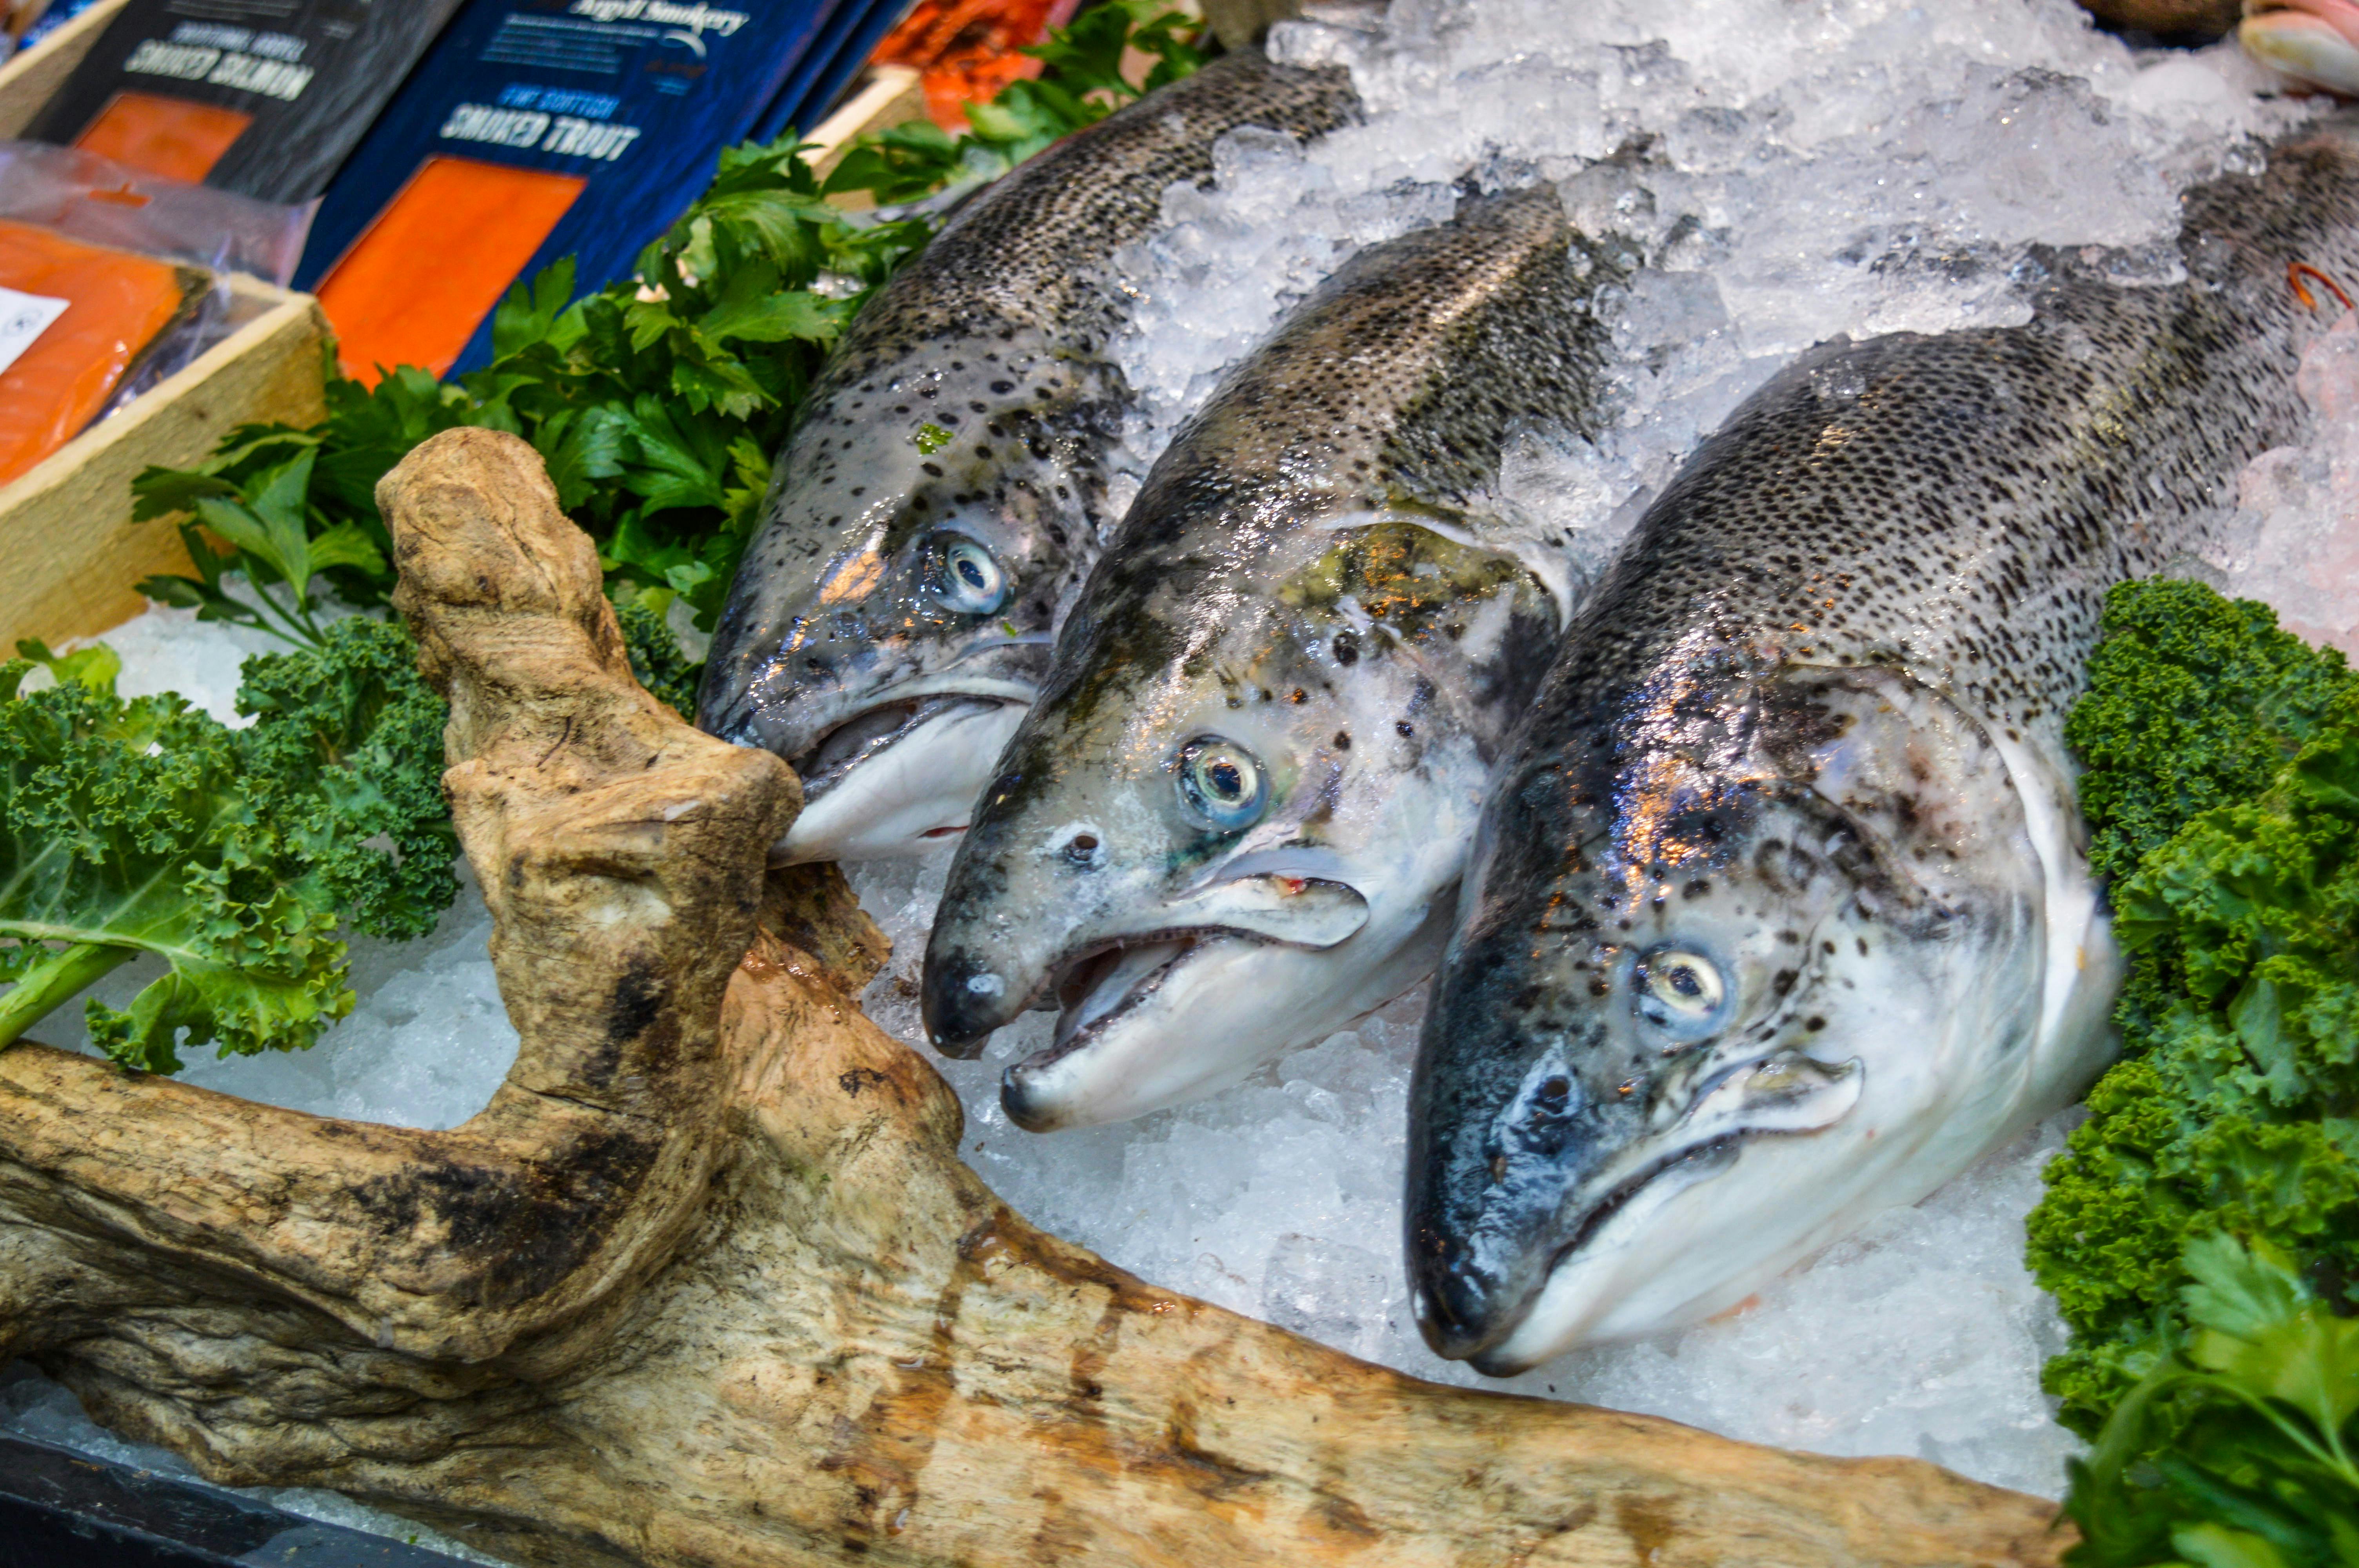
{"x": 707, "y": 1282}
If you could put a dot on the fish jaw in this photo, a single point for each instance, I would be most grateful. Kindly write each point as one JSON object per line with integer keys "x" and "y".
{"x": 906, "y": 790}
{"x": 1167, "y": 1023}
{"x": 1681, "y": 1223}
{"x": 1326, "y": 908}
{"x": 974, "y": 984}
{"x": 1850, "y": 860}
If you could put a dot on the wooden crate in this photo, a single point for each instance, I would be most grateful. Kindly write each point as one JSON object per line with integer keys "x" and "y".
{"x": 69, "y": 550}
{"x": 27, "y": 82}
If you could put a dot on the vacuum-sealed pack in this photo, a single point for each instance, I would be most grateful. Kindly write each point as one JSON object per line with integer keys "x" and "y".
{"x": 109, "y": 282}
{"x": 535, "y": 129}
{"x": 262, "y": 97}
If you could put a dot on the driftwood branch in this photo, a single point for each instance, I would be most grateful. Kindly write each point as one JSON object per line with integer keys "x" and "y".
{"x": 706, "y": 1283}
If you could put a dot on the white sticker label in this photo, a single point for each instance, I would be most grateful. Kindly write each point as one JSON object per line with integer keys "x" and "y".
{"x": 23, "y": 317}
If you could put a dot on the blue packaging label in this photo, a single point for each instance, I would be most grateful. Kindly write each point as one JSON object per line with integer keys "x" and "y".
{"x": 635, "y": 98}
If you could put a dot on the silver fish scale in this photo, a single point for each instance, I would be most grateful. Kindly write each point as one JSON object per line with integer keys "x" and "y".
{"x": 1027, "y": 252}
{"x": 971, "y": 386}
{"x": 1905, "y": 542}
{"x": 1957, "y": 505}
{"x": 1395, "y": 387}
{"x": 1297, "y": 559}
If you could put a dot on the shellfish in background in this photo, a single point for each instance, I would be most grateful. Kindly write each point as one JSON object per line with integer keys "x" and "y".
{"x": 2316, "y": 42}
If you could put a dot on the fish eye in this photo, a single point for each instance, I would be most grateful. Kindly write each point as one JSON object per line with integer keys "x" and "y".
{"x": 966, "y": 576}
{"x": 1221, "y": 783}
{"x": 1679, "y": 989}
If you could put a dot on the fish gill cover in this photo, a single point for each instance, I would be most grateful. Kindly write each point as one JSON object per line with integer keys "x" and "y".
{"x": 2201, "y": 1233}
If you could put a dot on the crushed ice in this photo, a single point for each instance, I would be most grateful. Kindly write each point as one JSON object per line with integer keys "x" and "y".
{"x": 1781, "y": 174}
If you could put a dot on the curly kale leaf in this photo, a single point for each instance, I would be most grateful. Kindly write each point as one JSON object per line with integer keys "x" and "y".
{"x": 2194, "y": 701}
{"x": 657, "y": 659}
{"x": 126, "y": 828}
{"x": 234, "y": 855}
{"x": 2222, "y": 784}
{"x": 345, "y": 757}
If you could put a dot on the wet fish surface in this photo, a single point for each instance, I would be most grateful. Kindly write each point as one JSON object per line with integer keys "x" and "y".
{"x": 942, "y": 498}
{"x": 1235, "y": 820}
{"x": 1779, "y": 914}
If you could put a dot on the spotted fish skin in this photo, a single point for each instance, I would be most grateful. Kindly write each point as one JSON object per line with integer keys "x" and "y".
{"x": 968, "y": 408}
{"x": 1303, "y": 579}
{"x": 1779, "y": 914}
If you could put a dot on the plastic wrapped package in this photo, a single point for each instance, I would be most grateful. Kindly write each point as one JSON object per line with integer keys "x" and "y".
{"x": 260, "y": 97}
{"x": 73, "y": 319}
{"x": 110, "y": 281}
{"x": 479, "y": 222}
{"x": 533, "y": 131}
{"x": 169, "y": 137}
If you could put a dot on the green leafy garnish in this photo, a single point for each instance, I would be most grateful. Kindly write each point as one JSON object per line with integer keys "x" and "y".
{"x": 2222, "y": 790}
{"x": 145, "y": 827}
{"x": 2235, "y": 1450}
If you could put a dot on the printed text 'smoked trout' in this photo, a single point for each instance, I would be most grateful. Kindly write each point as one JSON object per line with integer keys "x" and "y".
{"x": 1235, "y": 820}
{"x": 941, "y": 500}
{"x": 1780, "y": 915}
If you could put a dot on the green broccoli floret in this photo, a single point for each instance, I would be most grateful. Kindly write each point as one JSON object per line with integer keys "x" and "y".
{"x": 147, "y": 827}
{"x": 2222, "y": 762}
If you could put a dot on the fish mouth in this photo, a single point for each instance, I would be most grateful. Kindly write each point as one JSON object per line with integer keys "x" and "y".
{"x": 855, "y": 739}
{"x": 900, "y": 776}
{"x": 1493, "y": 1350}
{"x": 1579, "y": 1295}
{"x": 1098, "y": 988}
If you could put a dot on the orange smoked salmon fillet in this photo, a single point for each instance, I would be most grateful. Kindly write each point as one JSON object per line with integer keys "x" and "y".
{"x": 169, "y": 137}
{"x": 116, "y": 304}
{"x": 423, "y": 276}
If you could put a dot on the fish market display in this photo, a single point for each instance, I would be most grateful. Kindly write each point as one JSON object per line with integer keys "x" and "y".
{"x": 942, "y": 498}
{"x": 1779, "y": 914}
{"x": 1235, "y": 820}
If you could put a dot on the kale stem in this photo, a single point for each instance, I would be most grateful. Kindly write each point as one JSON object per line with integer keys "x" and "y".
{"x": 293, "y": 632}
{"x": 52, "y": 981}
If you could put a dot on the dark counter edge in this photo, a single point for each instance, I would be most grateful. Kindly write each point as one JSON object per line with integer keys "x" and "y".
{"x": 63, "y": 1510}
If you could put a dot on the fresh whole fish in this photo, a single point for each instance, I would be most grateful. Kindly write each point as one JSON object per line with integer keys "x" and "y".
{"x": 941, "y": 499}
{"x": 1779, "y": 914}
{"x": 1235, "y": 820}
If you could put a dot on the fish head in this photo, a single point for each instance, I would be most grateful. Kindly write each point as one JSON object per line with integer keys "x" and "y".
{"x": 1237, "y": 825}
{"x": 1134, "y": 851}
{"x": 1793, "y": 962}
{"x": 893, "y": 619}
